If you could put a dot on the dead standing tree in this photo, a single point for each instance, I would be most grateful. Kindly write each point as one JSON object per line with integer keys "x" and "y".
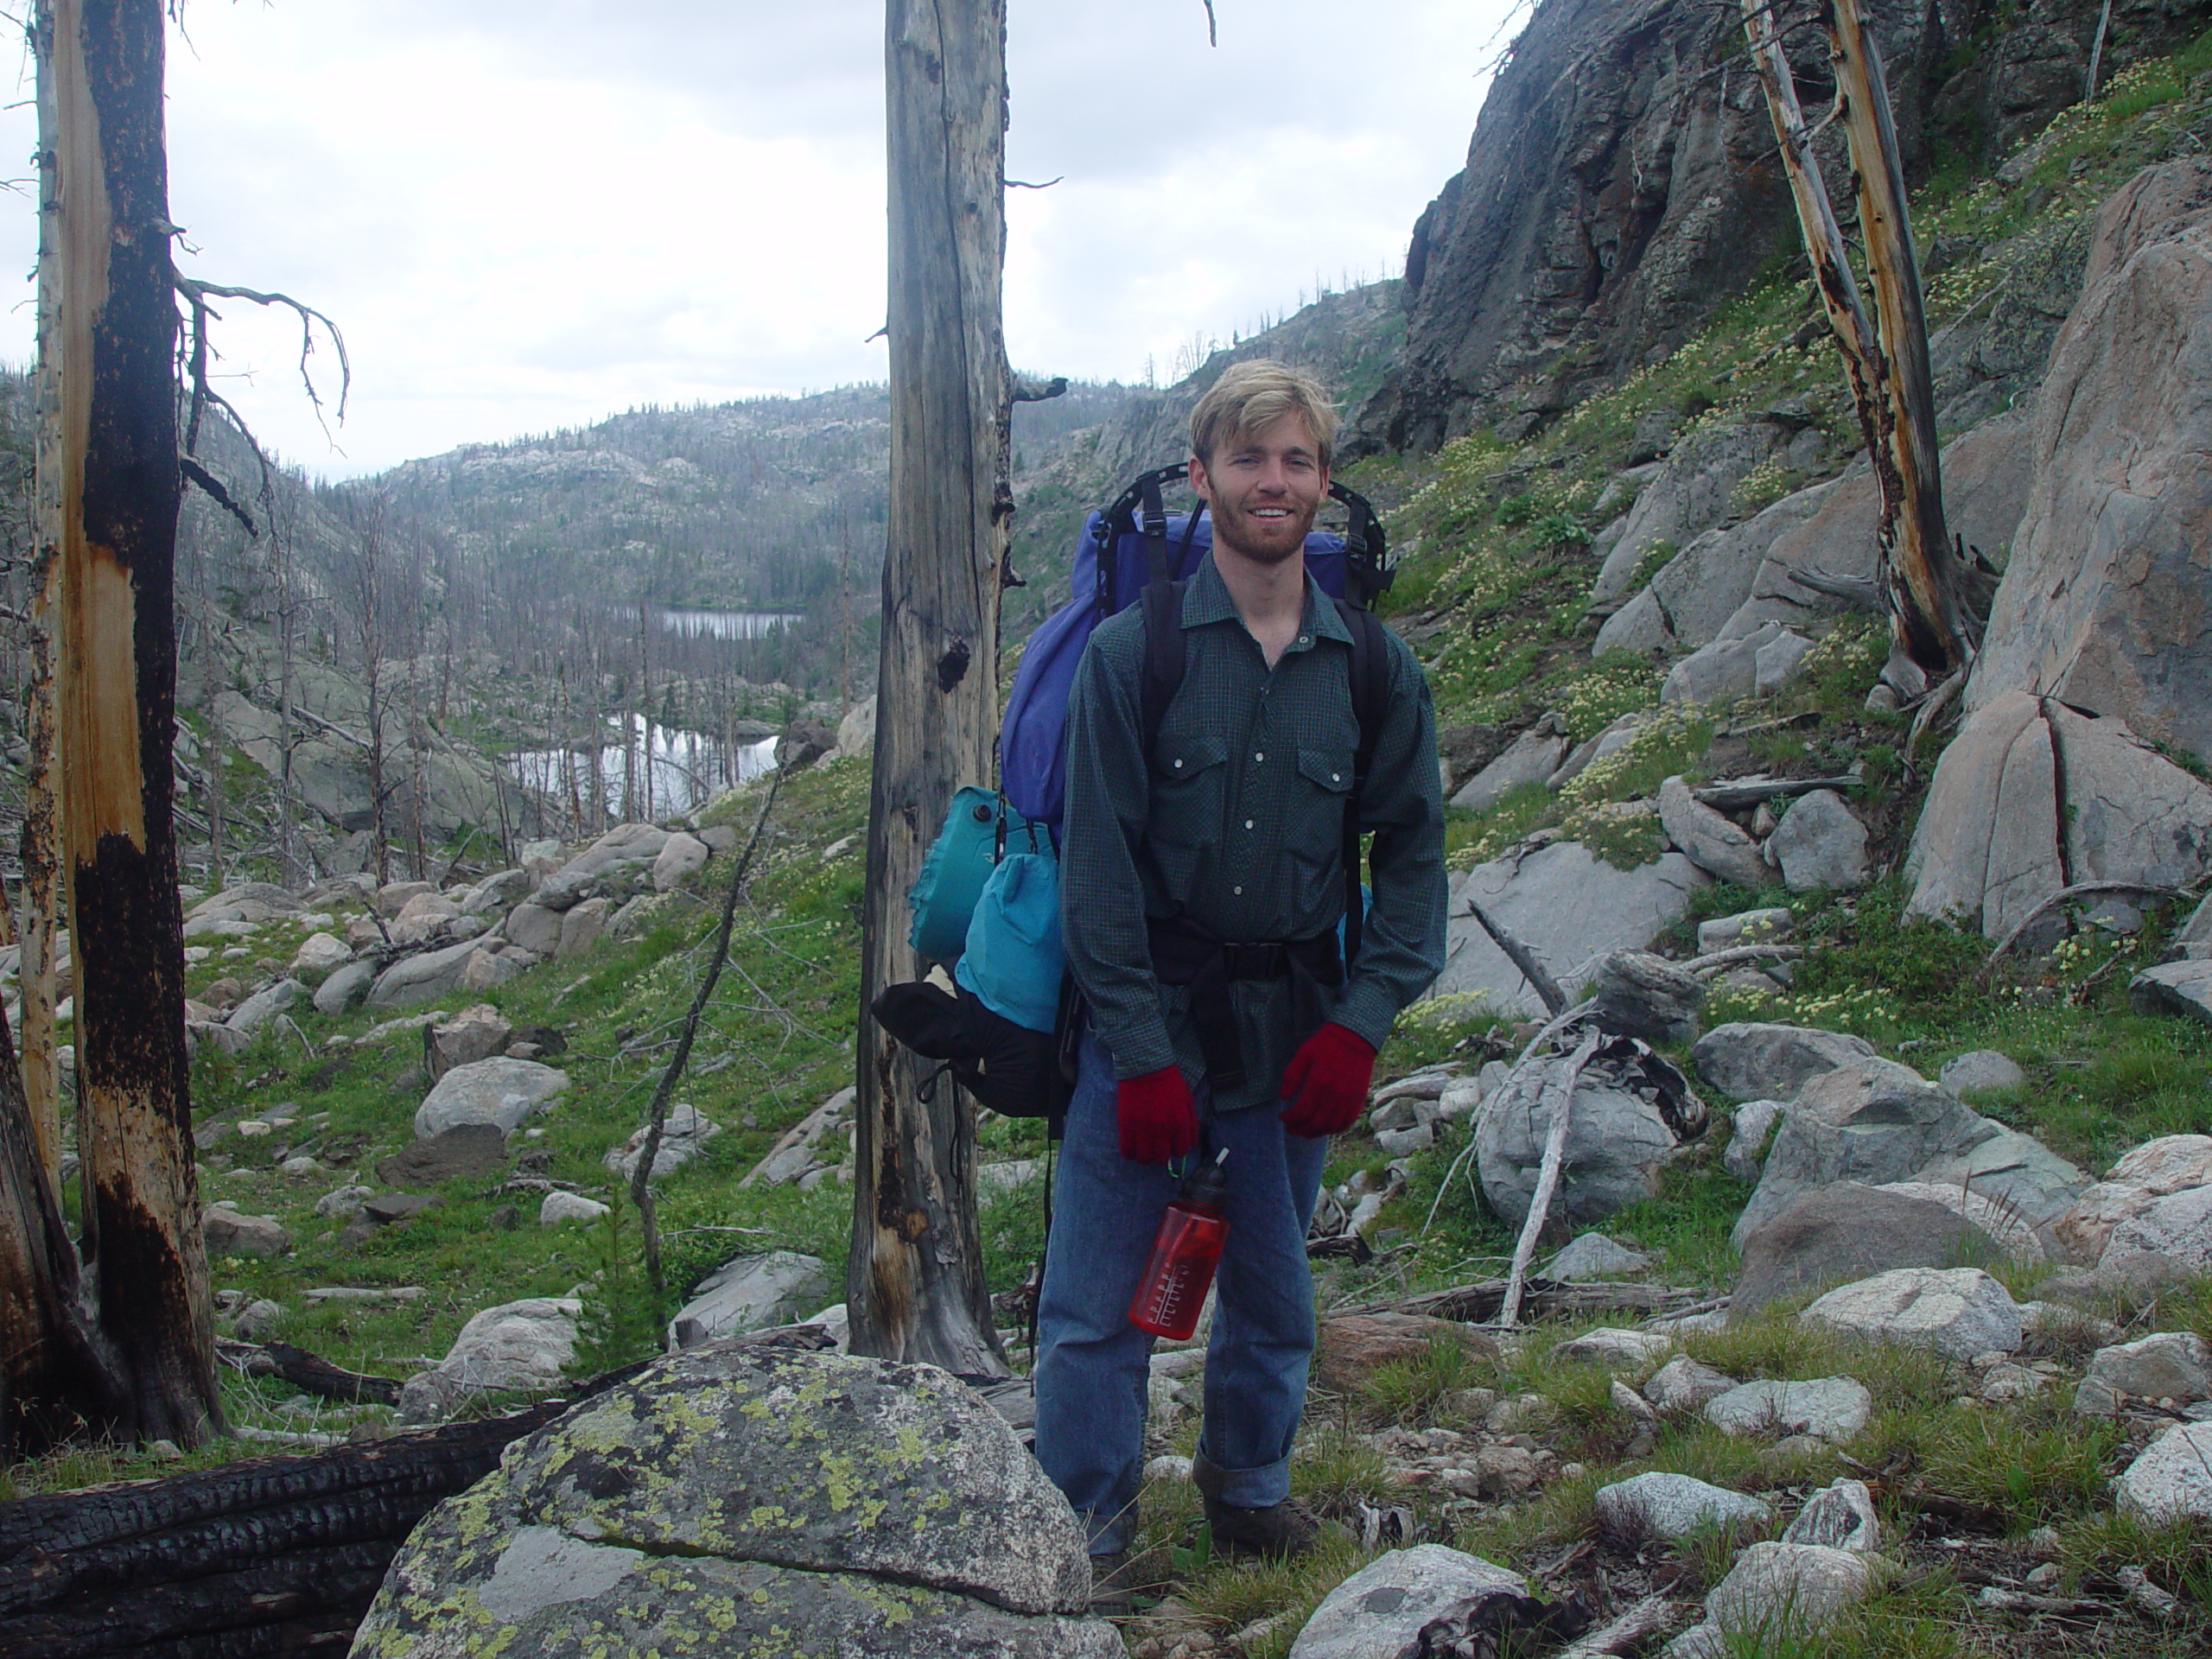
{"x": 131, "y": 1347}
{"x": 1935, "y": 598}
{"x": 915, "y": 1281}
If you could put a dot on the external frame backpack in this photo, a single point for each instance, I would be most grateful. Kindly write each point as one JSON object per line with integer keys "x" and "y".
{"x": 989, "y": 1030}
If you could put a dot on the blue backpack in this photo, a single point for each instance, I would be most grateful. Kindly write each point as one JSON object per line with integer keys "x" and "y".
{"x": 1008, "y": 1030}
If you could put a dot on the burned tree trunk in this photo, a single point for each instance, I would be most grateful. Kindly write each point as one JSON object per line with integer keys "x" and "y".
{"x": 915, "y": 1281}
{"x": 116, "y": 347}
{"x": 1929, "y": 588}
{"x": 56, "y": 1376}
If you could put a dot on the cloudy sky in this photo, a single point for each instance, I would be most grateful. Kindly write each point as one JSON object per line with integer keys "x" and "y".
{"x": 531, "y": 213}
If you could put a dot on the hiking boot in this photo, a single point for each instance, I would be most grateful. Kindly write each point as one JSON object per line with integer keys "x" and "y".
{"x": 1118, "y": 1580}
{"x": 1281, "y": 1531}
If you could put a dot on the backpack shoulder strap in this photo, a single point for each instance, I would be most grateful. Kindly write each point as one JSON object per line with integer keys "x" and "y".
{"x": 1370, "y": 682}
{"x": 1369, "y": 673}
{"x": 1163, "y": 653}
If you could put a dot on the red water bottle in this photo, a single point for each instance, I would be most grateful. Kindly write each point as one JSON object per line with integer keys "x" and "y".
{"x": 1183, "y": 1253}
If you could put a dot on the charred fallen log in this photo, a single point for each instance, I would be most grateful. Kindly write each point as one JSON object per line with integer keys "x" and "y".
{"x": 265, "y": 1556}
{"x": 309, "y": 1373}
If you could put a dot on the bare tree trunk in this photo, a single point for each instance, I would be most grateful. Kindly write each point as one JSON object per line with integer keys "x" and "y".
{"x": 371, "y": 592}
{"x": 288, "y": 605}
{"x": 1926, "y": 581}
{"x": 915, "y": 1281}
{"x": 1926, "y": 585}
{"x": 117, "y": 343}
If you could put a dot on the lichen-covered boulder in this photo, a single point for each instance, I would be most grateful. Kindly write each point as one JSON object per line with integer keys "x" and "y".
{"x": 744, "y": 1501}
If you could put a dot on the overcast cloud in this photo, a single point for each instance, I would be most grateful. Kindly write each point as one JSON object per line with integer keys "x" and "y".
{"x": 532, "y": 213}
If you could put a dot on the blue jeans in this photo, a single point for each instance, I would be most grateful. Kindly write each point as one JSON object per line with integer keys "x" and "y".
{"x": 1092, "y": 1364}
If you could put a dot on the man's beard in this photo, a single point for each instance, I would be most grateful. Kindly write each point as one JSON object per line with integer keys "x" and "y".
{"x": 1226, "y": 529}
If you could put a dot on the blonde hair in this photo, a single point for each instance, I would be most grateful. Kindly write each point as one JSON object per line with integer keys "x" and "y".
{"x": 1254, "y": 395}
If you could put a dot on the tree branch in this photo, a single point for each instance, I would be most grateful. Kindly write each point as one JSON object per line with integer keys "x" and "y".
{"x": 641, "y": 1180}
{"x": 1539, "y": 1203}
{"x": 1527, "y": 961}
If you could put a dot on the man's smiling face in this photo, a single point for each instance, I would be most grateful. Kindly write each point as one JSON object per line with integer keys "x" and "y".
{"x": 1264, "y": 488}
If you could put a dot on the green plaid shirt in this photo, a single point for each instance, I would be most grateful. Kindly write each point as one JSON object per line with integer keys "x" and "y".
{"x": 1236, "y": 821}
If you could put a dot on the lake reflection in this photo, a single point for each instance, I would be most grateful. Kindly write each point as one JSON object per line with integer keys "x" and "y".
{"x": 725, "y": 625}
{"x": 686, "y": 769}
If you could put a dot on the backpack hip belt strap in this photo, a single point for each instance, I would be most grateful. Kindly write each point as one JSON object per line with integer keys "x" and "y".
{"x": 1183, "y": 953}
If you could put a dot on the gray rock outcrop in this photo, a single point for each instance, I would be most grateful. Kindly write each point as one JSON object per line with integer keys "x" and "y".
{"x": 1985, "y": 477}
{"x": 683, "y": 1137}
{"x": 1841, "y": 1233}
{"x": 1752, "y": 1059}
{"x": 519, "y": 1346}
{"x": 1532, "y": 758}
{"x": 750, "y": 1292}
{"x": 498, "y": 1090}
{"x": 1956, "y": 1311}
{"x": 421, "y": 978}
{"x": 1569, "y": 907}
{"x": 1382, "y": 1608}
{"x": 1832, "y": 1407}
{"x": 1820, "y": 844}
{"x": 1709, "y": 840}
{"x": 2173, "y": 1366}
{"x": 2157, "y": 1169}
{"x": 2171, "y": 1479}
{"x": 1841, "y": 1516}
{"x": 2102, "y": 604}
{"x": 784, "y": 1502}
{"x": 1625, "y": 1121}
{"x": 228, "y": 1231}
{"x": 1642, "y": 995}
{"x": 346, "y": 987}
{"x": 1684, "y": 1385}
{"x": 2033, "y": 795}
{"x": 2173, "y": 1232}
{"x": 1876, "y": 1121}
{"x": 1674, "y": 1506}
{"x": 2184, "y": 987}
{"x": 1777, "y": 1591}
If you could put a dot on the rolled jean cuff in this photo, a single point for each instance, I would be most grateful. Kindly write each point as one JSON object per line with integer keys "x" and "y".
{"x": 1252, "y": 1489}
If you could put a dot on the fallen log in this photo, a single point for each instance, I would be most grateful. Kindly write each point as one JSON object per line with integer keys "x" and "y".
{"x": 265, "y": 1556}
{"x": 269, "y": 1555}
{"x": 308, "y": 1373}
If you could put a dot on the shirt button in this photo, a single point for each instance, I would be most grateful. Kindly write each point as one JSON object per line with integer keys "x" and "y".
{"x": 1247, "y": 823}
{"x": 1258, "y": 757}
{"x": 1178, "y": 766}
{"x": 1304, "y": 639}
{"x": 1239, "y": 891}
{"x": 1335, "y": 778}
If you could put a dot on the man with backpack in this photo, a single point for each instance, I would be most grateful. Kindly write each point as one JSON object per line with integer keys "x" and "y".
{"x": 1204, "y": 883}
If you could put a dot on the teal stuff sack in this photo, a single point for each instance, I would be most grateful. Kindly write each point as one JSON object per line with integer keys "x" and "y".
{"x": 958, "y": 863}
{"x": 1013, "y": 962}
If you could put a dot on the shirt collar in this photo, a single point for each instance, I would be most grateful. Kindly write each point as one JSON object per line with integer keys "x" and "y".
{"x": 1206, "y": 599}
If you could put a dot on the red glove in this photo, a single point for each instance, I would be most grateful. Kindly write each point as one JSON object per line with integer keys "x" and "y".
{"x": 1325, "y": 1082}
{"x": 1154, "y": 1112}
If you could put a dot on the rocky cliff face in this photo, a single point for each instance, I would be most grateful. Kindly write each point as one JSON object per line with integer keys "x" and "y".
{"x": 1621, "y": 185}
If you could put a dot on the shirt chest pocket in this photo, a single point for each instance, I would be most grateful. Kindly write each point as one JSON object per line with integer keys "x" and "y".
{"x": 1314, "y": 828}
{"x": 1190, "y": 779}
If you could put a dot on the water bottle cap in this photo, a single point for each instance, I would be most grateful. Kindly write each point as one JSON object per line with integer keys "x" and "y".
{"x": 1209, "y": 1183}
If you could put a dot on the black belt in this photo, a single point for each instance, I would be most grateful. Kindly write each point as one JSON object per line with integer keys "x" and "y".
{"x": 1183, "y": 953}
